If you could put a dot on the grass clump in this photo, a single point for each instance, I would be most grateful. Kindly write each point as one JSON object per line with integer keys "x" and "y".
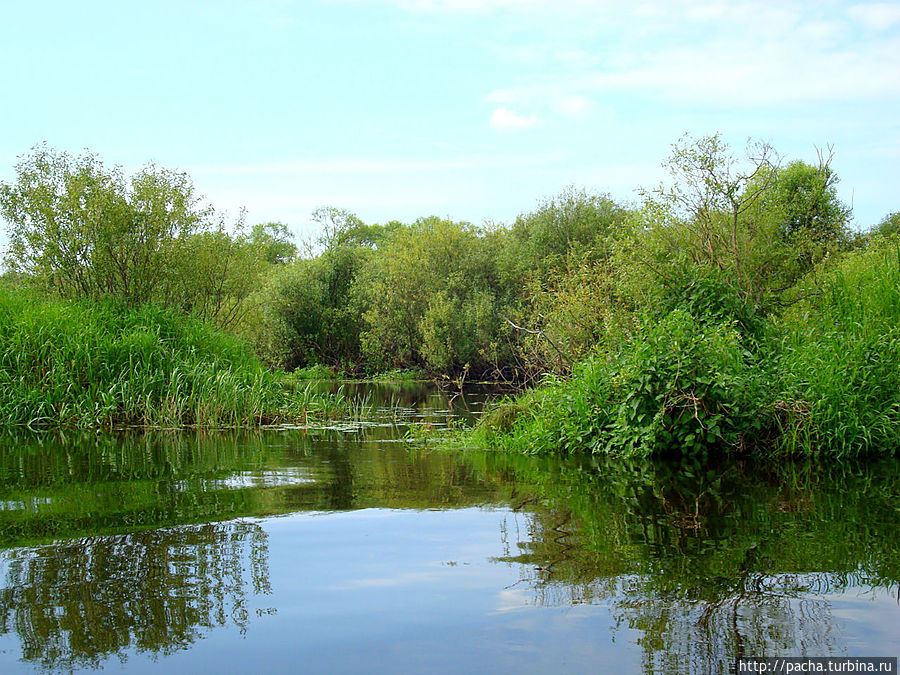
{"x": 400, "y": 375}
{"x": 314, "y": 372}
{"x": 103, "y": 365}
{"x": 839, "y": 359}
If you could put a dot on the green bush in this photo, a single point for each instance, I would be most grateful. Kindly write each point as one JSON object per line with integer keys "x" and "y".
{"x": 88, "y": 232}
{"x": 681, "y": 385}
{"x": 309, "y": 312}
{"x": 432, "y": 299}
{"x": 706, "y": 294}
{"x": 687, "y": 385}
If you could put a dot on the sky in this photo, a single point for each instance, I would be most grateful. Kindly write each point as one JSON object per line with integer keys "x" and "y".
{"x": 475, "y": 110}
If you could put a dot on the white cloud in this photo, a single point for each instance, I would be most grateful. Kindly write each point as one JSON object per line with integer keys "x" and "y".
{"x": 739, "y": 55}
{"x": 509, "y": 120}
{"x": 485, "y": 6}
{"x": 464, "y": 5}
{"x": 876, "y": 15}
{"x": 574, "y": 107}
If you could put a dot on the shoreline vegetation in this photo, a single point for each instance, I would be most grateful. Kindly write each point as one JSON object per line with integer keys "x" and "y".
{"x": 820, "y": 379}
{"x": 732, "y": 309}
{"x": 79, "y": 364}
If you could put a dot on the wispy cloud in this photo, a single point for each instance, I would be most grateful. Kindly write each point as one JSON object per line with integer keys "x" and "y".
{"x": 878, "y": 16}
{"x": 509, "y": 120}
{"x": 573, "y": 107}
{"x": 472, "y": 6}
{"x": 724, "y": 55}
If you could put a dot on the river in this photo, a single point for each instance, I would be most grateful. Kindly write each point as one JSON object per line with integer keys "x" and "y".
{"x": 362, "y": 547}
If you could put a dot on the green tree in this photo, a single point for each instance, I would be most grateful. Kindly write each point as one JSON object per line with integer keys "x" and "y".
{"x": 430, "y": 298}
{"x": 86, "y": 231}
{"x": 889, "y": 225}
{"x": 808, "y": 201}
{"x": 310, "y": 314}
{"x": 575, "y": 221}
{"x": 274, "y": 239}
{"x": 83, "y": 230}
{"x": 747, "y": 221}
{"x": 342, "y": 228}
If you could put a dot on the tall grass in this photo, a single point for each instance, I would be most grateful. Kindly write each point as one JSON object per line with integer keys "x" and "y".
{"x": 100, "y": 365}
{"x": 839, "y": 361}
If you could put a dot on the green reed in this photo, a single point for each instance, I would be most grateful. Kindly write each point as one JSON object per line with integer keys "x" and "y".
{"x": 104, "y": 365}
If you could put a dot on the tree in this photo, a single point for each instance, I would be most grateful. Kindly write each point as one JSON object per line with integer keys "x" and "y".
{"x": 809, "y": 203}
{"x": 889, "y": 225}
{"x": 430, "y": 298}
{"x": 309, "y": 313}
{"x": 343, "y": 228}
{"x": 749, "y": 222}
{"x": 274, "y": 240}
{"x": 572, "y": 221}
{"x": 86, "y": 231}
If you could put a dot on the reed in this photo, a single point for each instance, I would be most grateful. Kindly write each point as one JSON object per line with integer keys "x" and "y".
{"x": 103, "y": 365}
{"x": 839, "y": 360}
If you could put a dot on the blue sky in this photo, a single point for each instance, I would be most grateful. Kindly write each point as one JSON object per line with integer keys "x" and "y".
{"x": 472, "y": 109}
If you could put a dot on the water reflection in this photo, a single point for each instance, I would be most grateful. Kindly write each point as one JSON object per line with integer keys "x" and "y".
{"x": 122, "y": 546}
{"x": 75, "y": 603}
{"x": 713, "y": 563}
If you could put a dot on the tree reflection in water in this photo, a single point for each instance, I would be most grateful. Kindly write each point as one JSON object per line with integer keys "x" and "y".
{"x": 704, "y": 563}
{"x": 76, "y": 603}
{"x": 708, "y": 564}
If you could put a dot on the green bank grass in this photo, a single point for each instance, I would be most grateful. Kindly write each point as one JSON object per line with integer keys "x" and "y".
{"x": 68, "y": 364}
{"x": 839, "y": 361}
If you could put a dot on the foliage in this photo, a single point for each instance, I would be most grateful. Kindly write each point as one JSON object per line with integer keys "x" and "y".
{"x": 575, "y": 221}
{"x": 341, "y": 228}
{"x": 309, "y": 311}
{"x": 681, "y": 384}
{"x": 659, "y": 323}
{"x": 889, "y": 225}
{"x": 430, "y": 298}
{"x": 105, "y": 365}
{"x": 761, "y": 226}
{"x": 706, "y": 294}
{"x": 274, "y": 242}
{"x": 687, "y": 329}
{"x": 86, "y": 231}
{"x": 810, "y": 208}
{"x": 314, "y": 372}
{"x": 839, "y": 359}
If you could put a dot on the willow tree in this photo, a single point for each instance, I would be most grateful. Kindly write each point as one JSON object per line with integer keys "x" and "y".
{"x": 86, "y": 231}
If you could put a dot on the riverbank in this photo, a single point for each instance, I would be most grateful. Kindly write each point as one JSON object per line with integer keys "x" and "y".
{"x": 821, "y": 377}
{"x": 104, "y": 365}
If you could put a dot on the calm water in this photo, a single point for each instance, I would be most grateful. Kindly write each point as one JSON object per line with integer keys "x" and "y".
{"x": 348, "y": 549}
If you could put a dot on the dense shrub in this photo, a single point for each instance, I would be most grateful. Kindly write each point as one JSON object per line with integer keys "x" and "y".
{"x": 432, "y": 299}
{"x": 680, "y": 385}
{"x": 310, "y": 315}
{"x": 88, "y": 232}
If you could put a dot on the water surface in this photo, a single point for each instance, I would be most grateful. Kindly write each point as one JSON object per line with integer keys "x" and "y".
{"x": 350, "y": 549}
